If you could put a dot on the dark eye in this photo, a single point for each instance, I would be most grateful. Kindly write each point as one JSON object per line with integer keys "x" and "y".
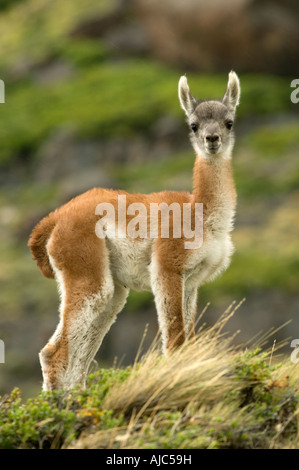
{"x": 229, "y": 124}
{"x": 194, "y": 127}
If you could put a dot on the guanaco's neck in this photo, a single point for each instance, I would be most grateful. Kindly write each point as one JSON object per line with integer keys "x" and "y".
{"x": 213, "y": 186}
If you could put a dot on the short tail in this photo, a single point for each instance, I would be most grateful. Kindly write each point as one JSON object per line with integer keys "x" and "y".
{"x": 37, "y": 243}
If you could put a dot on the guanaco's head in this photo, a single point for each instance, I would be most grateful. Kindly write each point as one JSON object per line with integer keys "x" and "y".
{"x": 211, "y": 122}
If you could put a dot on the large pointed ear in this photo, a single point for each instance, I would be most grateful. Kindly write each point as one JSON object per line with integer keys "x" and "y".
{"x": 231, "y": 98}
{"x": 187, "y": 100}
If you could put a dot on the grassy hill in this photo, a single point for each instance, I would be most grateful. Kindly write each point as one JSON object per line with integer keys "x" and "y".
{"x": 207, "y": 395}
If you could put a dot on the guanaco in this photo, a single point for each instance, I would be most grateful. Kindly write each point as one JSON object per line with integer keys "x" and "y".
{"x": 94, "y": 273}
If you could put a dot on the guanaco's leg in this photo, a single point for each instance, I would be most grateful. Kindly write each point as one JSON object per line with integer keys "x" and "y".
{"x": 89, "y": 304}
{"x": 86, "y": 338}
{"x": 190, "y": 308}
{"x": 99, "y": 327}
{"x": 168, "y": 291}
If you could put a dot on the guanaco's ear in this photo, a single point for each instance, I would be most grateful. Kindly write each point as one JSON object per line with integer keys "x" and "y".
{"x": 231, "y": 98}
{"x": 187, "y": 100}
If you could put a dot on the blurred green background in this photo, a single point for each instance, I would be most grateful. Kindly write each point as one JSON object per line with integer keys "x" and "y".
{"x": 91, "y": 100}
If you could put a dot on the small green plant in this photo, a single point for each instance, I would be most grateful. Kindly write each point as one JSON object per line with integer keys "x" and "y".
{"x": 53, "y": 418}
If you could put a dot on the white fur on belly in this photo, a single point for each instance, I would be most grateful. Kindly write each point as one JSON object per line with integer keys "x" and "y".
{"x": 130, "y": 262}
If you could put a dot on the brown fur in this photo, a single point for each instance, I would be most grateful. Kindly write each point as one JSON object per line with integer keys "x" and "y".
{"x": 213, "y": 185}
{"x": 37, "y": 244}
{"x": 95, "y": 274}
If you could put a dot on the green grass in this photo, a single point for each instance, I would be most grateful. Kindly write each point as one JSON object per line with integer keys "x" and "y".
{"x": 105, "y": 100}
{"x": 101, "y": 97}
{"x": 36, "y": 29}
{"x": 53, "y": 418}
{"x": 252, "y": 270}
{"x": 266, "y": 161}
{"x": 5, "y": 4}
{"x": 274, "y": 141}
{"x": 206, "y": 395}
{"x": 156, "y": 176}
{"x": 101, "y": 100}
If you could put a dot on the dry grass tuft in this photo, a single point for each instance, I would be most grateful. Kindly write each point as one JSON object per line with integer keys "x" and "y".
{"x": 198, "y": 373}
{"x": 207, "y": 394}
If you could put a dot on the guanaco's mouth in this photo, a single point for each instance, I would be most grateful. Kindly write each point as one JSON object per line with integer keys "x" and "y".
{"x": 213, "y": 148}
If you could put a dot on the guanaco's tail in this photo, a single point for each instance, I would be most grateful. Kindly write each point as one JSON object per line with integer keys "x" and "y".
{"x": 37, "y": 243}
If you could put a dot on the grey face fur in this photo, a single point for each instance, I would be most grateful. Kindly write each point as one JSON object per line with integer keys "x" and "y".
{"x": 211, "y": 122}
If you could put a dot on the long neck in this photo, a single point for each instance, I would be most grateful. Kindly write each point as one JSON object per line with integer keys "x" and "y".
{"x": 213, "y": 186}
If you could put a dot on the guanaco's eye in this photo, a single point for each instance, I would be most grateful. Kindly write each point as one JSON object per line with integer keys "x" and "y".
{"x": 194, "y": 127}
{"x": 229, "y": 124}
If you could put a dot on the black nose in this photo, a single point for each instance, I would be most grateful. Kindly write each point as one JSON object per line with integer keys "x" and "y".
{"x": 212, "y": 137}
